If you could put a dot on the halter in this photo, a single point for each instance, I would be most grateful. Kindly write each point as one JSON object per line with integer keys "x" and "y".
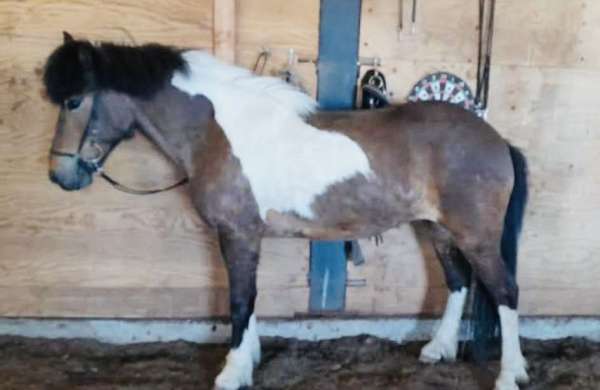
{"x": 95, "y": 165}
{"x": 97, "y": 168}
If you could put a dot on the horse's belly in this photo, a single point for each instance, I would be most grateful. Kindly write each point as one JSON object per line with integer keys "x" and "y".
{"x": 290, "y": 225}
{"x": 355, "y": 208}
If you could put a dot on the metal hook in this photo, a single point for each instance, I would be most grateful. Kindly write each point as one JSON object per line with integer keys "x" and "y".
{"x": 263, "y": 56}
{"x": 98, "y": 153}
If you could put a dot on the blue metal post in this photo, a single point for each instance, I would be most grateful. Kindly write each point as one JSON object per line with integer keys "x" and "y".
{"x": 338, "y": 73}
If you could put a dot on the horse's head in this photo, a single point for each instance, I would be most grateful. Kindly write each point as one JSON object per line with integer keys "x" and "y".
{"x": 91, "y": 121}
{"x": 88, "y": 129}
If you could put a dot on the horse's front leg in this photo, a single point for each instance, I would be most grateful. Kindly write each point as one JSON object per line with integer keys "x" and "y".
{"x": 241, "y": 252}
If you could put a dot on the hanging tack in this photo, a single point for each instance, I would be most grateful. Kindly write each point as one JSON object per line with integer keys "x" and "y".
{"x": 373, "y": 87}
{"x": 414, "y": 17}
{"x": 484, "y": 62}
{"x": 261, "y": 61}
{"x": 400, "y": 17}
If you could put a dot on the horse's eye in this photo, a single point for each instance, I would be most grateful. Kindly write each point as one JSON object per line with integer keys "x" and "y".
{"x": 73, "y": 103}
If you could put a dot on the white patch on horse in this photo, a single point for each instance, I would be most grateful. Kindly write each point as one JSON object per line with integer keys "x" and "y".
{"x": 444, "y": 344}
{"x": 241, "y": 360}
{"x": 513, "y": 364}
{"x": 287, "y": 161}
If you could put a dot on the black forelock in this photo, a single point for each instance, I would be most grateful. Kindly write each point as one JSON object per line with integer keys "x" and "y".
{"x": 64, "y": 74}
{"x": 78, "y": 67}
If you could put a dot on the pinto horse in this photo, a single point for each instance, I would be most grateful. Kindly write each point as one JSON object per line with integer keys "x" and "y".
{"x": 263, "y": 162}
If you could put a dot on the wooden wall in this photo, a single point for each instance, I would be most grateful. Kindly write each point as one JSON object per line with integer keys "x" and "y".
{"x": 544, "y": 99}
{"x": 100, "y": 253}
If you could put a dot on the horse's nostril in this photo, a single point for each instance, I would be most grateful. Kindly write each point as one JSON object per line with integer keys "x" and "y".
{"x": 53, "y": 177}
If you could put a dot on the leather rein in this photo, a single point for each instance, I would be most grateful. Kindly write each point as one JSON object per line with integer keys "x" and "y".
{"x": 96, "y": 167}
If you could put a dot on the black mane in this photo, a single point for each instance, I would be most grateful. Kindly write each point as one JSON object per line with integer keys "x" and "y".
{"x": 78, "y": 67}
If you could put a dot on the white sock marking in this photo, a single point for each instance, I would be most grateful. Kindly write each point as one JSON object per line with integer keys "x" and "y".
{"x": 444, "y": 344}
{"x": 513, "y": 364}
{"x": 240, "y": 361}
{"x": 287, "y": 161}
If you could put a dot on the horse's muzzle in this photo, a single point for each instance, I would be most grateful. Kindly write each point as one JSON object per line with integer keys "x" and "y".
{"x": 72, "y": 174}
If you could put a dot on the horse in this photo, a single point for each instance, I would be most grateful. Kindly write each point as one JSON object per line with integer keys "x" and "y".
{"x": 263, "y": 161}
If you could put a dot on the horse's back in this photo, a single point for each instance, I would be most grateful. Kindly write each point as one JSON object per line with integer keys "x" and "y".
{"x": 428, "y": 161}
{"x": 424, "y": 138}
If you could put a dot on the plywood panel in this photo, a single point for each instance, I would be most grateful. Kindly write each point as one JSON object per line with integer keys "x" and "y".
{"x": 140, "y": 302}
{"x": 544, "y": 83}
{"x": 279, "y": 26}
{"x": 103, "y": 253}
{"x": 550, "y": 33}
{"x": 99, "y": 252}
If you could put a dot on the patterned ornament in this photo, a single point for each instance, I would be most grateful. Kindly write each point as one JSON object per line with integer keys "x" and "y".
{"x": 445, "y": 87}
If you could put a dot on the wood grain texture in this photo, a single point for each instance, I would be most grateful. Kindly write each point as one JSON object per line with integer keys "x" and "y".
{"x": 224, "y": 29}
{"x": 101, "y": 253}
{"x": 278, "y": 26}
{"x": 543, "y": 98}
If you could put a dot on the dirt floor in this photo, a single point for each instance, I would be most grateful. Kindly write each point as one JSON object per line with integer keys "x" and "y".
{"x": 350, "y": 363}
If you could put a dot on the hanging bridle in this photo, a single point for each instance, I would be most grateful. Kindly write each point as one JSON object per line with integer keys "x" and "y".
{"x": 484, "y": 62}
{"x": 95, "y": 165}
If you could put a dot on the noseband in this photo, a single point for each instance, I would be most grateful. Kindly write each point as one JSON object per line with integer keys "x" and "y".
{"x": 92, "y": 166}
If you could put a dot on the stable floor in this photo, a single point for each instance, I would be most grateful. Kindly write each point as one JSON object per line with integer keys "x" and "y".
{"x": 350, "y": 363}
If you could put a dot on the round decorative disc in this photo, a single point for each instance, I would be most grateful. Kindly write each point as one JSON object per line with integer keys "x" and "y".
{"x": 444, "y": 87}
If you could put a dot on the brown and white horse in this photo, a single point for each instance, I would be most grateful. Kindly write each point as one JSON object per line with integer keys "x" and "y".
{"x": 262, "y": 161}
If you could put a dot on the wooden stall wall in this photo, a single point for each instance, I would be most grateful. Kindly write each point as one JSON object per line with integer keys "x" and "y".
{"x": 544, "y": 99}
{"x": 101, "y": 253}
{"x": 98, "y": 252}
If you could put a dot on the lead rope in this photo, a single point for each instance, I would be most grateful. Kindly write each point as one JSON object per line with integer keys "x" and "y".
{"x": 118, "y": 186}
{"x": 128, "y": 190}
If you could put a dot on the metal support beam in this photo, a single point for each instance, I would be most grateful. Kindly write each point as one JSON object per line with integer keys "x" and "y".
{"x": 338, "y": 73}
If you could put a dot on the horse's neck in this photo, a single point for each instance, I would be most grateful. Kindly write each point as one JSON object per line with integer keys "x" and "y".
{"x": 173, "y": 120}
{"x": 167, "y": 139}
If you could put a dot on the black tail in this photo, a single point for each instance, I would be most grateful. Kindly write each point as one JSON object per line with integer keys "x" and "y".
{"x": 485, "y": 315}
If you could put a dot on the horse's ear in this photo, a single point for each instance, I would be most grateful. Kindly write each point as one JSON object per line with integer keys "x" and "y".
{"x": 67, "y": 37}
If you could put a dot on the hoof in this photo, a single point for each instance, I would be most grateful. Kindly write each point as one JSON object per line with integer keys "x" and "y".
{"x": 521, "y": 377}
{"x": 435, "y": 351}
{"x": 506, "y": 382}
{"x": 237, "y": 372}
{"x": 519, "y": 371}
{"x": 228, "y": 380}
{"x": 509, "y": 379}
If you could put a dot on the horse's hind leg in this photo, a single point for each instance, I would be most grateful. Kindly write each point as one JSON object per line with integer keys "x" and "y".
{"x": 240, "y": 252}
{"x": 483, "y": 253}
{"x": 444, "y": 345}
